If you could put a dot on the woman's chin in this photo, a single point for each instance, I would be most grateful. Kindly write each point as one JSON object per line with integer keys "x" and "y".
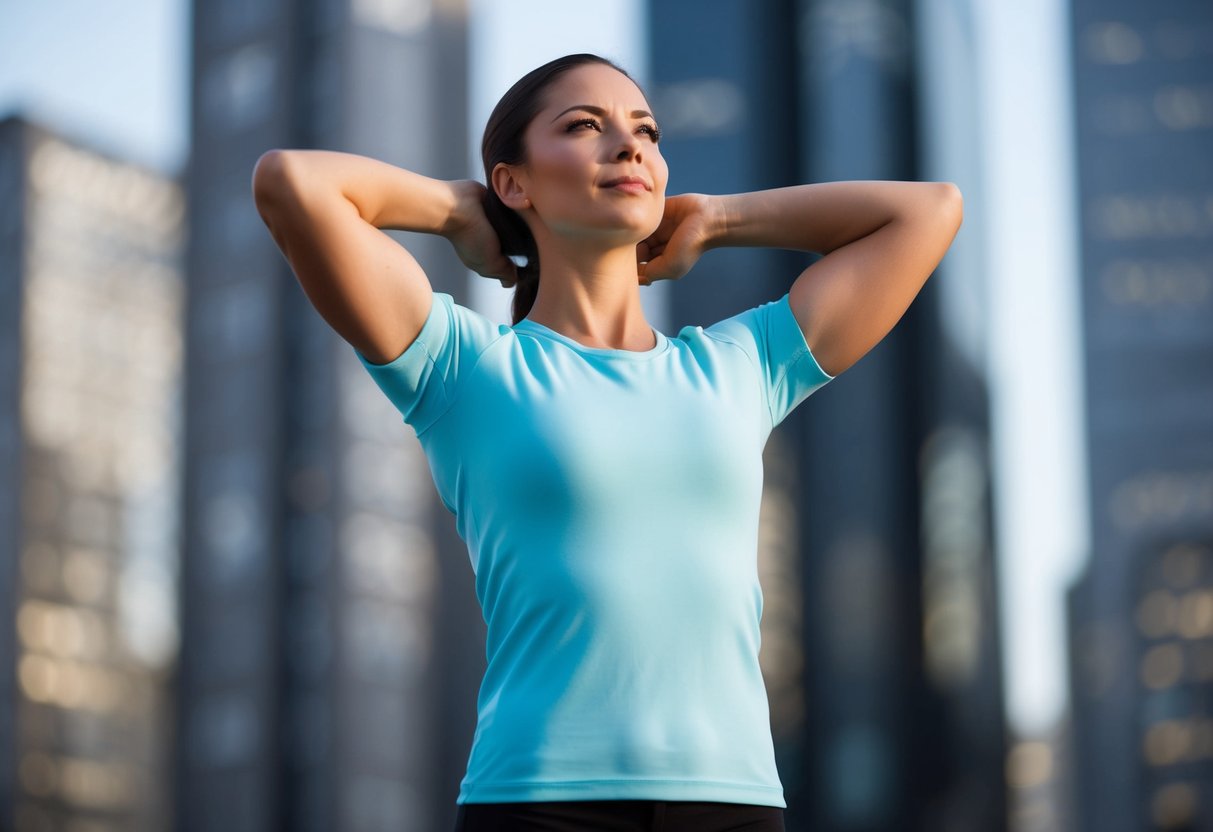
{"x": 620, "y": 229}
{"x": 638, "y": 220}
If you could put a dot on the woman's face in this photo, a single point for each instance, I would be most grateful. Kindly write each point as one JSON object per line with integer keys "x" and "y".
{"x": 594, "y": 128}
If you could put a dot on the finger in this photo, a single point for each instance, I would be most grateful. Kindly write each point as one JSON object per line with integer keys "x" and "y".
{"x": 655, "y": 269}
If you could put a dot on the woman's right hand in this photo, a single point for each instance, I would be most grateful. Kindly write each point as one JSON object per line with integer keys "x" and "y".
{"x": 474, "y": 238}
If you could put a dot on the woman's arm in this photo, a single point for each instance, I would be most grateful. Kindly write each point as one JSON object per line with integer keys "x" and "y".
{"x": 881, "y": 241}
{"x": 325, "y": 210}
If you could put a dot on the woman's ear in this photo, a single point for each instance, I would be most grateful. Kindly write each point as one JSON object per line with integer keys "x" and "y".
{"x": 509, "y": 188}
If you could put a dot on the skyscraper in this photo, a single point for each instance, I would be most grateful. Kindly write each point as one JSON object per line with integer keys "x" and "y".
{"x": 90, "y": 362}
{"x": 887, "y": 704}
{"x": 316, "y": 554}
{"x": 1142, "y": 616}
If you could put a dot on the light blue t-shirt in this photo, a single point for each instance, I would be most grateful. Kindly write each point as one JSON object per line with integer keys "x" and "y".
{"x": 609, "y": 501}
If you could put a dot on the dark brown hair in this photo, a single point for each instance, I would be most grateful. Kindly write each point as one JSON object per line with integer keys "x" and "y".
{"x": 503, "y": 142}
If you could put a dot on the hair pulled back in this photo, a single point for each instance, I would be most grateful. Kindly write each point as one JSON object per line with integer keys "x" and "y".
{"x": 503, "y": 142}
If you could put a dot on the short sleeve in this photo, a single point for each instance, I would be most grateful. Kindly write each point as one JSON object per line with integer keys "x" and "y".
{"x": 788, "y": 373}
{"x": 422, "y": 381}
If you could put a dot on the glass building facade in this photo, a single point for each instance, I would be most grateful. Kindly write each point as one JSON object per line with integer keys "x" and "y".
{"x": 1142, "y": 616}
{"x": 322, "y": 686}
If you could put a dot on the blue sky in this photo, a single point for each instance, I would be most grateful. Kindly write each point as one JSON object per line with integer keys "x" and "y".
{"x": 112, "y": 73}
{"x": 1033, "y": 274}
{"x": 117, "y": 78}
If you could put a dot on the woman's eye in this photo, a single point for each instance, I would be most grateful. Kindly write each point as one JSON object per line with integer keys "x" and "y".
{"x": 652, "y": 129}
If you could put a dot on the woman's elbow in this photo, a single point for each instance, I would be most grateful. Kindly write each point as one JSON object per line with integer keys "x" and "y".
{"x": 953, "y": 199}
{"x": 270, "y": 176}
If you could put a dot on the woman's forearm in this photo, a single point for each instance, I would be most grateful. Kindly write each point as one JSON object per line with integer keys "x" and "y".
{"x": 386, "y": 196}
{"x": 820, "y": 217}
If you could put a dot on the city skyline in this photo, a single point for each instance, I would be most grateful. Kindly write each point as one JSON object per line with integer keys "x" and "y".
{"x": 138, "y": 107}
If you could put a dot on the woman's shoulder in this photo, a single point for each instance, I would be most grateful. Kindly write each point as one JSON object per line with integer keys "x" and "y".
{"x": 469, "y": 322}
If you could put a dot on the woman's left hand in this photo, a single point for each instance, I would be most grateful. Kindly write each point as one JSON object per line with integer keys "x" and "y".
{"x": 685, "y": 233}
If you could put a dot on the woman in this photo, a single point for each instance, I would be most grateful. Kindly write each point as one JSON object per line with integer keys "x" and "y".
{"x": 605, "y": 477}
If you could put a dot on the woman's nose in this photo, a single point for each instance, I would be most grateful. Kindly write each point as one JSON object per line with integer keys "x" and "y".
{"x": 630, "y": 150}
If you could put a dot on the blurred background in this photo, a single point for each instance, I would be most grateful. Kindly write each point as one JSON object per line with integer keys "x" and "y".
{"x": 231, "y": 600}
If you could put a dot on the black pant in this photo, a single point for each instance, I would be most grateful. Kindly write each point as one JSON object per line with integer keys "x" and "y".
{"x": 617, "y": 816}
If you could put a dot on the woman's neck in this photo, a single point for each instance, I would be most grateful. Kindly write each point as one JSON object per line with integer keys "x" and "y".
{"x": 592, "y": 296}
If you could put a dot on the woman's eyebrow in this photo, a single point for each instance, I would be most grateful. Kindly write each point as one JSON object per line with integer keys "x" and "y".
{"x": 598, "y": 111}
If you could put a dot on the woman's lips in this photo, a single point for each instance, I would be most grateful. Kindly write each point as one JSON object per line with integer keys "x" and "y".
{"x": 629, "y": 187}
{"x": 631, "y": 184}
